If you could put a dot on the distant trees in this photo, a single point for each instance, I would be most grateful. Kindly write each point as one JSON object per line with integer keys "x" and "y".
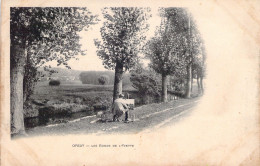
{"x": 122, "y": 38}
{"x": 103, "y": 80}
{"x": 39, "y": 35}
{"x": 92, "y": 77}
{"x": 88, "y": 77}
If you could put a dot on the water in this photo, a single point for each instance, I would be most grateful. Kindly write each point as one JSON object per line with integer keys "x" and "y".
{"x": 58, "y": 118}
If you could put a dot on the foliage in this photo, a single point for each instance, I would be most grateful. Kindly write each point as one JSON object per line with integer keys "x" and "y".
{"x": 54, "y": 83}
{"x": 122, "y": 36}
{"x": 199, "y": 68}
{"x": 122, "y": 39}
{"x": 88, "y": 78}
{"x": 29, "y": 81}
{"x": 103, "y": 80}
{"x": 177, "y": 45}
{"x": 146, "y": 82}
{"x": 49, "y": 33}
{"x": 46, "y": 34}
{"x": 126, "y": 82}
{"x": 177, "y": 84}
{"x": 91, "y": 77}
{"x": 168, "y": 49}
{"x": 193, "y": 50}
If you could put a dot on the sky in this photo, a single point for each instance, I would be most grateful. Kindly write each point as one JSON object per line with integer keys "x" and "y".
{"x": 91, "y": 61}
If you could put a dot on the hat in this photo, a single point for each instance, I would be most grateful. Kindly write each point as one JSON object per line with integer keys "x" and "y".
{"x": 121, "y": 95}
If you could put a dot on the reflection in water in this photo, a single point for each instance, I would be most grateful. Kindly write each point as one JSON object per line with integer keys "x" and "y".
{"x": 58, "y": 118}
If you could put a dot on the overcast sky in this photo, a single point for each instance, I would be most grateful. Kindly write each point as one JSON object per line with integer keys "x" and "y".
{"x": 91, "y": 61}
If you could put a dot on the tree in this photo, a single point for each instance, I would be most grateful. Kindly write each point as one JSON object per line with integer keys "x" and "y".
{"x": 103, "y": 79}
{"x": 184, "y": 24}
{"x": 195, "y": 44}
{"x": 199, "y": 69}
{"x": 167, "y": 49}
{"x": 39, "y": 35}
{"x": 122, "y": 38}
{"x": 173, "y": 50}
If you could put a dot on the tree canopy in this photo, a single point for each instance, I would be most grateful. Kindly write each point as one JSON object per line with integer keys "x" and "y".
{"x": 122, "y": 39}
{"x": 122, "y": 36}
{"x": 46, "y": 34}
{"x": 176, "y": 45}
{"x": 49, "y": 33}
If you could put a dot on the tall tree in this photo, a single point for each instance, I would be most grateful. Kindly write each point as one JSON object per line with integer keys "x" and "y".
{"x": 175, "y": 47}
{"x": 167, "y": 49}
{"x": 39, "y": 35}
{"x": 183, "y": 23}
{"x": 199, "y": 69}
{"x": 122, "y": 38}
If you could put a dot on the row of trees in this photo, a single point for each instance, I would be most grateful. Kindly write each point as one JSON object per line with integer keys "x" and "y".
{"x": 39, "y": 35}
{"x": 177, "y": 49}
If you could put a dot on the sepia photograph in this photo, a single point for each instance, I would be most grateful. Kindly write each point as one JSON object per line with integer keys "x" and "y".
{"x": 122, "y": 83}
{"x": 146, "y": 74}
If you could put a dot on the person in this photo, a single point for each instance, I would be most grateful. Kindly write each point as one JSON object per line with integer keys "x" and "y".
{"x": 119, "y": 108}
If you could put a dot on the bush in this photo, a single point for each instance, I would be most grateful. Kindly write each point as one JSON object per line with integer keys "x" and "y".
{"x": 103, "y": 80}
{"x": 146, "y": 85}
{"x": 54, "y": 83}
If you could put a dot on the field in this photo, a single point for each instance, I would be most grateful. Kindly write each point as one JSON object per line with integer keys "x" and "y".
{"x": 68, "y": 99}
{"x": 71, "y": 100}
{"x": 75, "y": 92}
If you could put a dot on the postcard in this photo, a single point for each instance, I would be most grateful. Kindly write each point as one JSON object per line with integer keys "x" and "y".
{"x": 130, "y": 82}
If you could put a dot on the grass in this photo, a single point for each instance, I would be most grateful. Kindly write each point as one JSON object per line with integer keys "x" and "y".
{"x": 73, "y": 92}
{"x": 74, "y": 97}
{"x": 65, "y": 91}
{"x": 76, "y": 92}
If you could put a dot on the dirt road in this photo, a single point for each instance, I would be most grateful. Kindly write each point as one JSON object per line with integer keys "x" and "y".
{"x": 147, "y": 118}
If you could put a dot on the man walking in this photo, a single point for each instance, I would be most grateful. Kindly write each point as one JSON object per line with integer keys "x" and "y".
{"x": 119, "y": 108}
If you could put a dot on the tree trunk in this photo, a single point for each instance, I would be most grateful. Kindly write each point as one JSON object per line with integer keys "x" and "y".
{"x": 16, "y": 80}
{"x": 189, "y": 67}
{"x": 198, "y": 83}
{"x": 26, "y": 74}
{"x": 189, "y": 79}
{"x": 118, "y": 80}
{"x": 164, "y": 88}
{"x": 201, "y": 85}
